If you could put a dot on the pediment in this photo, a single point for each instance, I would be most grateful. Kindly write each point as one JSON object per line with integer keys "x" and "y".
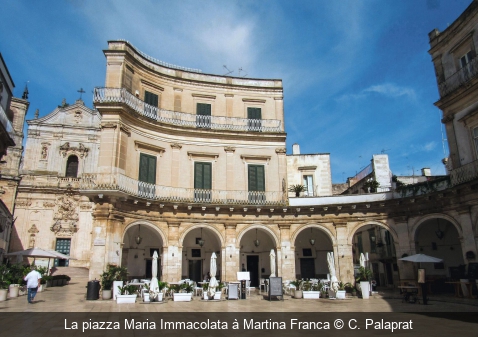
{"x": 75, "y": 115}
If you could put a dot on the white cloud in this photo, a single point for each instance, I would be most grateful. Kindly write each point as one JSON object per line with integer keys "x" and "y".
{"x": 389, "y": 90}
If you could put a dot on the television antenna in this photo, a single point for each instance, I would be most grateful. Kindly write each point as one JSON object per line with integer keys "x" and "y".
{"x": 228, "y": 71}
{"x": 240, "y": 69}
{"x": 384, "y": 150}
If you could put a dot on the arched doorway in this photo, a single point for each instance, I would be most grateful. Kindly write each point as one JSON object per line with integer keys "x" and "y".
{"x": 311, "y": 247}
{"x": 139, "y": 243}
{"x": 439, "y": 238}
{"x": 198, "y": 246}
{"x": 377, "y": 243}
{"x": 256, "y": 245}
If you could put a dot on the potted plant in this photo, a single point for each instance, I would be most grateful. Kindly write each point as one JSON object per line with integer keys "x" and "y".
{"x": 342, "y": 290}
{"x": 298, "y": 288}
{"x": 106, "y": 281}
{"x": 183, "y": 293}
{"x": 364, "y": 276}
{"x": 15, "y": 278}
{"x": 156, "y": 295}
{"x": 4, "y": 282}
{"x": 127, "y": 294}
{"x": 311, "y": 291}
{"x": 371, "y": 185}
{"x": 119, "y": 275}
{"x": 205, "y": 288}
{"x": 217, "y": 295}
{"x": 297, "y": 189}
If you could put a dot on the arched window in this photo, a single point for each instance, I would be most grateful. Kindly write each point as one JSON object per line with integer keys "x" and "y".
{"x": 72, "y": 167}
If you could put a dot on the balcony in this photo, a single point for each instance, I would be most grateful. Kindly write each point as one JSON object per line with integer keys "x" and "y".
{"x": 464, "y": 173}
{"x": 49, "y": 181}
{"x": 459, "y": 78}
{"x": 6, "y": 123}
{"x": 121, "y": 184}
{"x": 117, "y": 95}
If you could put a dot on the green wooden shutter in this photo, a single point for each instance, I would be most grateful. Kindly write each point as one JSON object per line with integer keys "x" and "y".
{"x": 256, "y": 178}
{"x": 147, "y": 168}
{"x": 150, "y": 98}
{"x": 254, "y": 113}
{"x": 203, "y": 176}
{"x": 203, "y": 109}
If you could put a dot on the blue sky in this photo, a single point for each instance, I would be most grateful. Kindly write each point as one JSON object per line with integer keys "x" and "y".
{"x": 357, "y": 76}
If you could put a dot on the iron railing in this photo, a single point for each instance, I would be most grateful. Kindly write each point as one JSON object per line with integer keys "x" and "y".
{"x": 459, "y": 78}
{"x": 119, "y": 182}
{"x": 464, "y": 173}
{"x": 121, "y": 95}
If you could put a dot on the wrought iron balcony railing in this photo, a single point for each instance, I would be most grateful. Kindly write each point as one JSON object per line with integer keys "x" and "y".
{"x": 469, "y": 71}
{"x": 464, "y": 173}
{"x": 102, "y": 183}
{"x": 121, "y": 95}
{"x": 6, "y": 123}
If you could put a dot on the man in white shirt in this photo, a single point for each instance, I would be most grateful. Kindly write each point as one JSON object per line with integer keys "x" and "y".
{"x": 33, "y": 281}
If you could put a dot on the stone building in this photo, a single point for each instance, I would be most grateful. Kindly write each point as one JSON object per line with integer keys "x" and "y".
{"x": 187, "y": 164}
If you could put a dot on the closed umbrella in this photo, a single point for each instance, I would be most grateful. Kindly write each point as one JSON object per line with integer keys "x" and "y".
{"x": 153, "y": 286}
{"x": 213, "y": 282}
{"x": 273, "y": 263}
{"x": 333, "y": 279}
{"x": 362, "y": 260}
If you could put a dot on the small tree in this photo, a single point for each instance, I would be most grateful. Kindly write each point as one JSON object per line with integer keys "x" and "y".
{"x": 297, "y": 189}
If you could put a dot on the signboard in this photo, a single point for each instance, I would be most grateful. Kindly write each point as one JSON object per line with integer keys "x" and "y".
{"x": 275, "y": 287}
{"x": 99, "y": 242}
{"x": 243, "y": 275}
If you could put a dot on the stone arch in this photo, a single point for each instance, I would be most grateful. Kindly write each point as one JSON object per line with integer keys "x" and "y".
{"x": 149, "y": 225}
{"x": 453, "y": 221}
{"x": 201, "y": 225}
{"x": 273, "y": 236}
{"x": 355, "y": 227}
{"x": 296, "y": 233}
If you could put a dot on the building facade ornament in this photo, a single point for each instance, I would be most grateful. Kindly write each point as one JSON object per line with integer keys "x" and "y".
{"x": 66, "y": 149}
{"x": 176, "y": 146}
{"x": 281, "y": 150}
{"x": 229, "y": 149}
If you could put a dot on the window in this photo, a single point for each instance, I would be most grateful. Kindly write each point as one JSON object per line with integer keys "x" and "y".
{"x": 203, "y": 115}
{"x": 359, "y": 243}
{"x": 309, "y": 186}
{"x": 465, "y": 59}
{"x": 254, "y": 116}
{"x": 475, "y": 140}
{"x": 150, "y": 110}
{"x": 372, "y": 238}
{"x": 72, "y": 167}
{"x": 256, "y": 183}
{"x": 147, "y": 175}
{"x": 202, "y": 182}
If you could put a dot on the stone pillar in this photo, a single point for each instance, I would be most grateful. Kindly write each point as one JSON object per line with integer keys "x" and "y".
{"x": 343, "y": 256}
{"x": 405, "y": 245}
{"x": 230, "y": 181}
{"x": 229, "y": 105}
{"x": 107, "y": 241}
{"x": 279, "y": 110}
{"x": 232, "y": 253}
{"x": 175, "y": 164}
{"x": 286, "y": 265}
{"x": 178, "y": 92}
{"x": 468, "y": 236}
{"x": 282, "y": 174}
{"x": 172, "y": 268}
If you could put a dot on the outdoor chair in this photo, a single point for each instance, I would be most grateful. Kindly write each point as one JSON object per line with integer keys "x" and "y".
{"x": 263, "y": 284}
{"x": 248, "y": 287}
{"x": 197, "y": 290}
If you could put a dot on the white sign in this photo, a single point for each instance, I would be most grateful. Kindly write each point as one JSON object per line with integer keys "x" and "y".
{"x": 99, "y": 242}
{"x": 243, "y": 275}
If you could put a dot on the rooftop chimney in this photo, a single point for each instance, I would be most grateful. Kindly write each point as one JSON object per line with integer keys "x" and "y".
{"x": 426, "y": 172}
{"x": 295, "y": 149}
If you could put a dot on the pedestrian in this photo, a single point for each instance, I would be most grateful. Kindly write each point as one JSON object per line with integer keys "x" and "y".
{"x": 33, "y": 281}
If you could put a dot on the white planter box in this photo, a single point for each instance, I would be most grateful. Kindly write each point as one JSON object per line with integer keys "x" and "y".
{"x": 115, "y": 289}
{"x": 298, "y": 293}
{"x": 365, "y": 287}
{"x": 3, "y": 294}
{"x": 13, "y": 290}
{"x": 158, "y": 298}
{"x": 340, "y": 295}
{"x": 125, "y": 298}
{"x": 146, "y": 297}
{"x": 217, "y": 295}
{"x": 182, "y": 297}
{"x": 205, "y": 296}
{"x": 311, "y": 295}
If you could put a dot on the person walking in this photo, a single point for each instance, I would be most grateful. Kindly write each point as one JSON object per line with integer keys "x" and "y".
{"x": 33, "y": 281}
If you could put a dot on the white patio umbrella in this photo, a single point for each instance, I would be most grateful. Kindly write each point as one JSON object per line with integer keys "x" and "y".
{"x": 213, "y": 282}
{"x": 273, "y": 263}
{"x": 153, "y": 286}
{"x": 43, "y": 253}
{"x": 334, "y": 285}
{"x": 421, "y": 258}
{"x": 362, "y": 260}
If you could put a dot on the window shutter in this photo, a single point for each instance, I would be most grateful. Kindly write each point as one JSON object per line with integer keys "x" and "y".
{"x": 256, "y": 178}
{"x": 152, "y": 170}
{"x": 203, "y": 109}
{"x": 261, "y": 186}
{"x": 147, "y": 168}
{"x": 198, "y": 176}
{"x": 203, "y": 176}
{"x": 252, "y": 178}
{"x": 254, "y": 113}
{"x": 150, "y": 98}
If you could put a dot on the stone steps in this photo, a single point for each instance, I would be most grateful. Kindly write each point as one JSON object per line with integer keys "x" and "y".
{"x": 73, "y": 272}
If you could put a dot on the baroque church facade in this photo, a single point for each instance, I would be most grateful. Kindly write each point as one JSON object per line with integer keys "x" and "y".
{"x": 185, "y": 163}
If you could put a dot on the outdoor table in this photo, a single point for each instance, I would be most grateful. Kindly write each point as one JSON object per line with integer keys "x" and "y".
{"x": 410, "y": 293}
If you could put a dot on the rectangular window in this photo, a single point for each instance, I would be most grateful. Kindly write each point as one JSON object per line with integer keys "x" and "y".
{"x": 466, "y": 65}
{"x": 254, "y": 116}
{"x": 372, "y": 238}
{"x": 203, "y": 115}
{"x": 202, "y": 182}
{"x": 309, "y": 185}
{"x": 62, "y": 246}
{"x": 465, "y": 59}
{"x": 147, "y": 175}
{"x": 151, "y": 106}
{"x": 256, "y": 184}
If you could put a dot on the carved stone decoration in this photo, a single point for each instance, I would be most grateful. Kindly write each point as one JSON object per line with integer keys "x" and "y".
{"x": 81, "y": 150}
{"x": 281, "y": 150}
{"x": 33, "y": 229}
{"x": 66, "y": 216}
{"x": 78, "y": 116}
{"x": 176, "y": 146}
{"x": 48, "y": 204}
{"x": 23, "y": 203}
{"x": 229, "y": 149}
